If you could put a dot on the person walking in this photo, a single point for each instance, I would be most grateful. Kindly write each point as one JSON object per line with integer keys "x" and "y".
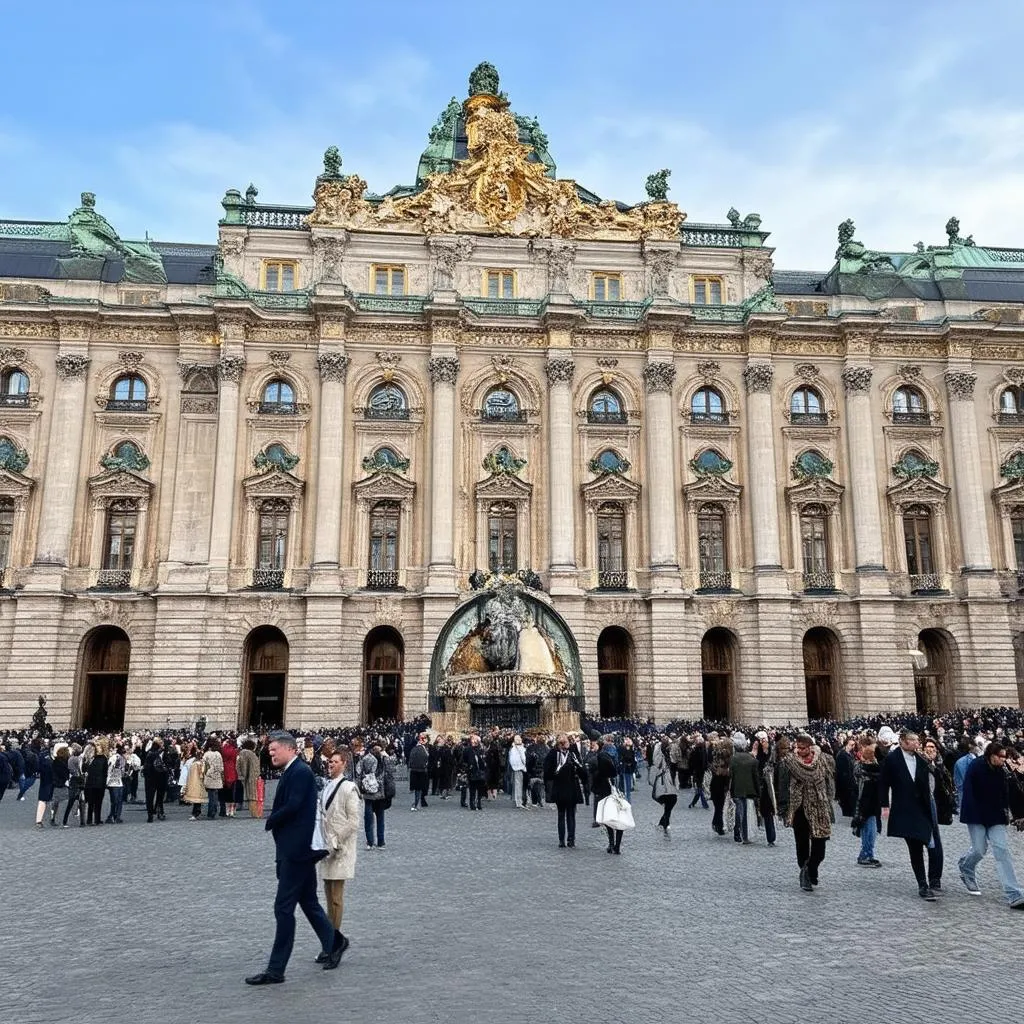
{"x": 765, "y": 753}
{"x": 809, "y": 807}
{"x": 61, "y": 774}
{"x": 340, "y": 813}
{"x": 370, "y": 776}
{"x": 46, "y": 785}
{"x": 563, "y": 776}
{"x": 474, "y": 764}
{"x": 985, "y": 811}
{"x": 867, "y": 813}
{"x": 419, "y": 771}
{"x": 605, "y": 773}
{"x": 663, "y": 789}
{"x": 699, "y": 762}
{"x": 517, "y": 766}
{"x": 247, "y": 768}
{"x": 721, "y": 754}
{"x": 627, "y": 767}
{"x": 744, "y": 785}
{"x": 291, "y": 823}
{"x": 76, "y": 786}
{"x": 903, "y": 788}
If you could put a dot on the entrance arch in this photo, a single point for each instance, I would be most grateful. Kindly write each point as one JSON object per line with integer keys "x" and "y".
{"x": 718, "y": 673}
{"x": 103, "y": 679}
{"x": 614, "y": 672}
{"x": 383, "y": 665}
{"x": 822, "y": 665}
{"x": 934, "y": 679}
{"x": 266, "y": 678}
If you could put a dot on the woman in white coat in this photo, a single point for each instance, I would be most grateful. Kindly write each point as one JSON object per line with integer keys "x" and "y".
{"x": 341, "y": 814}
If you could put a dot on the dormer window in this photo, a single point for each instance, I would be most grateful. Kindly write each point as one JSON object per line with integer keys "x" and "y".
{"x": 14, "y": 387}
{"x": 280, "y": 275}
{"x": 128, "y": 394}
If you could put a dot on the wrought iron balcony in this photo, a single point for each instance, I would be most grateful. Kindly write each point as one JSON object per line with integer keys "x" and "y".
{"x": 15, "y": 401}
{"x": 609, "y": 579}
{"x": 5, "y": 578}
{"x": 387, "y": 413}
{"x": 268, "y": 579}
{"x": 1011, "y": 419}
{"x": 913, "y": 419}
{"x": 114, "y": 579}
{"x": 713, "y": 581}
{"x": 1020, "y": 581}
{"x": 615, "y": 309}
{"x": 277, "y": 408}
{"x": 390, "y": 303}
{"x": 925, "y": 583}
{"x": 382, "y": 579}
{"x": 503, "y": 307}
{"x": 503, "y": 415}
{"x": 808, "y": 418}
{"x": 127, "y": 405}
{"x": 819, "y": 580}
{"x": 594, "y": 416}
{"x": 715, "y": 419}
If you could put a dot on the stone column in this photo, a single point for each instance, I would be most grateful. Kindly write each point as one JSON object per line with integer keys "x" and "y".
{"x": 333, "y": 366}
{"x": 561, "y": 513}
{"x": 444, "y": 371}
{"x": 860, "y": 443}
{"x": 230, "y": 370}
{"x": 764, "y": 503}
{"x": 60, "y": 478}
{"x": 970, "y": 495}
{"x": 659, "y": 377}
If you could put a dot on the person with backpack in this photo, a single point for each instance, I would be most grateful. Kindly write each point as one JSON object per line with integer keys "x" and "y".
{"x": 154, "y": 776}
{"x": 370, "y": 774}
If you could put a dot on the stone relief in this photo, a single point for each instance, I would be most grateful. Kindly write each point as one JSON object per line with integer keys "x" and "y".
{"x": 758, "y": 378}
{"x": 659, "y": 377}
{"x": 443, "y": 370}
{"x": 559, "y": 371}
{"x": 72, "y": 367}
{"x": 857, "y": 379}
{"x": 333, "y": 366}
{"x": 960, "y": 385}
{"x": 448, "y": 253}
{"x": 230, "y": 369}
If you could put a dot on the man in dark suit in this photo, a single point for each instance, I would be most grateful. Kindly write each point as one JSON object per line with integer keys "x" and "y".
{"x": 904, "y": 788}
{"x": 292, "y": 820}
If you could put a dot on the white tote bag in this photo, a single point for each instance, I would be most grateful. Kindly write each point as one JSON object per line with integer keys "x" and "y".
{"x": 615, "y": 812}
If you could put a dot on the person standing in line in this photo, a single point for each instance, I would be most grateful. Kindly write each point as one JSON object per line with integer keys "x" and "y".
{"x": 846, "y": 789}
{"x": 193, "y": 792}
{"x": 474, "y": 764}
{"x": 76, "y": 786}
{"x": 867, "y": 814}
{"x": 605, "y": 773}
{"x": 95, "y": 780}
{"x": 563, "y": 775}
{"x": 744, "y": 785}
{"x": 247, "y": 768}
{"x": 809, "y": 811}
{"x": 517, "y": 766}
{"x": 132, "y": 767}
{"x": 663, "y": 789}
{"x": 155, "y": 774}
{"x": 985, "y": 811}
{"x": 340, "y": 811}
{"x": 698, "y": 767}
{"x": 627, "y": 767}
{"x": 968, "y": 750}
{"x": 46, "y": 784}
{"x": 115, "y": 784}
{"x": 419, "y": 771}
{"x": 229, "y": 799}
{"x": 370, "y": 781}
{"x": 213, "y": 775}
{"x": 903, "y": 788}
{"x": 721, "y": 754}
{"x": 291, "y": 822}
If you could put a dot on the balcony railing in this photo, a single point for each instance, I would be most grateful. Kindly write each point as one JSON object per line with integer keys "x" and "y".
{"x": 914, "y": 419}
{"x": 114, "y": 579}
{"x": 400, "y": 412}
{"x": 1011, "y": 419}
{"x": 808, "y": 418}
{"x": 277, "y": 408}
{"x": 712, "y": 581}
{"x": 127, "y": 405}
{"x": 382, "y": 579}
{"x": 615, "y": 310}
{"x": 503, "y": 307}
{"x": 715, "y": 419}
{"x": 373, "y": 303}
{"x": 268, "y": 579}
{"x": 291, "y": 218}
{"x": 503, "y": 415}
{"x": 5, "y": 579}
{"x": 595, "y": 416}
{"x": 819, "y": 580}
{"x": 1020, "y": 581}
{"x": 609, "y": 579}
{"x": 925, "y": 583}
{"x": 15, "y": 401}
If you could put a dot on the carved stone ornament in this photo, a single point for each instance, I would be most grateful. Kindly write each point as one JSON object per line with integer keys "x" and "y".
{"x": 333, "y": 366}
{"x": 448, "y": 253}
{"x": 607, "y": 362}
{"x": 660, "y": 263}
{"x": 498, "y": 189}
{"x": 388, "y": 362}
{"x": 908, "y": 371}
{"x": 70, "y": 367}
{"x": 231, "y": 247}
{"x": 960, "y": 385}
{"x": 758, "y": 378}
{"x": 559, "y": 259}
{"x": 1014, "y": 375}
{"x": 857, "y": 379}
{"x": 709, "y": 369}
{"x": 130, "y": 360}
{"x": 659, "y": 377}
{"x": 443, "y": 370}
{"x": 760, "y": 266}
{"x": 279, "y": 358}
{"x": 807, "y": 371}
{"x": 559, "y": 371}
{"x": 1013, "y": 468}
{"x": 12, "y": 356}
{"x": 230, "y": 369}
{"x": 329, "y": 250}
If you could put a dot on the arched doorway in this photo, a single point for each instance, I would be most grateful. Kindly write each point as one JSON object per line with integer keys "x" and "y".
{"x": 933, "y": 673}
{"x": 822, "y": 662}
{"x": 266, "y": 678}
{"x": 383, "y": 662}
{"x": 103, "y": 684}
{"x": 718, "y": 669}
{"x": 614, "y": 661}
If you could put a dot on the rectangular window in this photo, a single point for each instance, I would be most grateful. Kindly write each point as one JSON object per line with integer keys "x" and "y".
{"x": 711, "y": 541}
{"x": 384, "y": 526}
{"x": 500, "y": 284}
{"x": 610, "y": 530}
{"x": 814, "y": 543}
{"x": 6, "y": 531}
{"x": 918, "y": 539}
{"x": 120, "y": 542}
{"x": 1017, "y": 522}
{"x": 607, "y": 287}
{"x": 388, "y": 280}
{"x": 280, "y": 275}
{"x": 501, "y": 533}
{"x": 707, "y": 291}
{"x": 273, "y": 540}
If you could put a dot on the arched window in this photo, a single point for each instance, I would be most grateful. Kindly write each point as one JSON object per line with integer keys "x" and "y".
{"x": 814, "y": 548}
{"x": 387, "y": 402}
{"x": 711, "y": 549}
{"x": 502, "y": 530}
{"x": 128, "y": 394}
{"x": 1011, "y": 405}
{"x": 278, "y": 399}
{"x": 806, "y": 406}
{"x": 909, "y": 406}
{"x": 611, "y": 547}
{"x": 708, "y": 406}
{"x": 501, "y": 405}
{"x": 917, "y": 538}
{"x": 119, "y": 548}
{"x": 605, "y": 407}
{"x": 384, "y": 538}
{"x": 6, "y": 534}
{"x": 14, "y": 387}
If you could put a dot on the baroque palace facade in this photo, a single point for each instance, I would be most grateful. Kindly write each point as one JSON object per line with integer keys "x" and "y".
{"x": 491, "y": 448}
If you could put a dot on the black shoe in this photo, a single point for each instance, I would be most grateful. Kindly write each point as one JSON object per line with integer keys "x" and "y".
{"x": 805, "y": 881}
{"x": 322, "y": 958}
{"x": 936, "y": 887}
{"x": 736, "y": 839}
{"x": 926, "y": 894}
{"x": 594, "y": 824}
{"x": 616, "y": 851}
{"x": 611, "y": 849}
{"x": 340, "y": 945}
{"x": 561, "y": 846}
{"x": 423, "y": 803}
{"x": 572, "y": 845}
{"x": 149, "y": 820}
{"x": 264, "y": 979}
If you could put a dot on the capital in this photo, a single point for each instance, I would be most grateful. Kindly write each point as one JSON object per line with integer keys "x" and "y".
{"x": 659, "y": 377}
{"x": 71, "y": 367}
{"x": 857, "y": 379}
{"x": 960, "y": 385}
{"x": 443, "y": 370}
{"x": 230, "y": 369}
{"x": 333, "y": 366}
{"x": 758, "y": 378}
{"x": 559, "y": 371}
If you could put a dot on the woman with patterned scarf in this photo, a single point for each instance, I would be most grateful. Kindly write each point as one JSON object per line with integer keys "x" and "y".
{"x": 810, "y": 810}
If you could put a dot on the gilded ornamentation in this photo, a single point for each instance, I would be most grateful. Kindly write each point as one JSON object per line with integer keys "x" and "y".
{"x": 443, "y": 370}
{"x": 388, "y": 362}
{"x": 230, "y": 369}
{"x": 660, "y": 263}
{"x": 333, "y": 366}
{"x": 448, "y": 253}
{"x": 857, "y": 379}
{"x": 559, "y": 371}
{"x": 758, "y": 378}
{"x": 659, "y": 377}
{"x": 960, "y": 385}
{"x": 71, "y": 367}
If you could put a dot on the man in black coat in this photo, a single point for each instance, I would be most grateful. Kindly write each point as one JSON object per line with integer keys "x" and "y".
{"x": 903, "y": 787}
{"x": 292, "y": 820}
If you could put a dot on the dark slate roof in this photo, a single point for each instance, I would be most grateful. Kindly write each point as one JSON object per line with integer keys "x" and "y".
{"x": 798, "y": 282}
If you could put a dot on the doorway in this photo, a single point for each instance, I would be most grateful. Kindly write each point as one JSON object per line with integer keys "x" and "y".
{"x": 933, "y": 673}
{"x": 821, "y": 673}
{"x": 718, "y": 667}
{"x": 383, "y": 664}
{"x": 266, "y": 669}
{"x": 614, "y": 658}
{"x": 104, "y": 681}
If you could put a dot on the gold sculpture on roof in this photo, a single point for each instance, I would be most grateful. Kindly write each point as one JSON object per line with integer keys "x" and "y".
{"x": 497, "y": 190}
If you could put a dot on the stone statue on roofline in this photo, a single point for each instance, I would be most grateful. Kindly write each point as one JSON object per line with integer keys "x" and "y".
{"x": 855, "y": 258}
{"x": 332, "y": 162}
{"x": 657, "y": 185}
{"x": 483, "y": 80}
{"x": 953, "y": 233}
{"x": 94, "y": 238}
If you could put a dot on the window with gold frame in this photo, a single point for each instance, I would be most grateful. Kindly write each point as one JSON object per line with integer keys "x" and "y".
{"x": 499, "y": 284}
{"x": 605, "y": 287}
{"x": 388, "y": 279}
{"x": 707, "y": 291}
{"x": 279, "y": 276}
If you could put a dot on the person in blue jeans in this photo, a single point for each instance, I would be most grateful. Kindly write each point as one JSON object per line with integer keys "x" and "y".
{"x": 627, "y": 768}
{"x": 985, "y": 811}
{"x": 868, "y": 810}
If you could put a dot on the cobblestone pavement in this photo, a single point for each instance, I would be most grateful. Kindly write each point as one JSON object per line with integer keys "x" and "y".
{"x": 469, "y": 917}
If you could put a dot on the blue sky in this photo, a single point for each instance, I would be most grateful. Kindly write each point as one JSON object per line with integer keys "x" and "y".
{"x": 897, "y": 115}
